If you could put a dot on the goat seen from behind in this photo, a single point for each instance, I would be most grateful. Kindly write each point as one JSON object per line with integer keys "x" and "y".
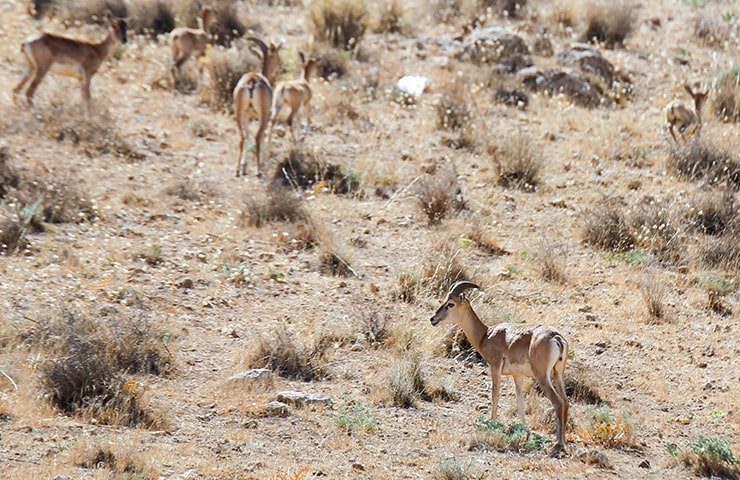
{"x": 521, "y": 351}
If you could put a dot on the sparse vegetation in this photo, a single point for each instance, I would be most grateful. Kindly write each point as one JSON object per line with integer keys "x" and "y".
{"x": 606, "y": 227}
{"x": 453, "y": 469}
{"x": 609, "y": 428}
{"x": 340, "y": 23}
{"x": 653, "y": 295}
{"x": 716, "y": 287}
{"x": 150, "y": 17}
{"x": 500, "y": 437}
{"x": 609, "y": 23}
{"x": 407, "y": 382}
{"x": 704, "y": 161}
{"x": 285, "y": 357}
{"x": 440, "y": 195}
{"x": 711, "y": 457}
{"x": 726, "y": 99}
{"x": 453, "y": 110}
{"x": 356, "y": 417}
{"x": 518, "y": 162}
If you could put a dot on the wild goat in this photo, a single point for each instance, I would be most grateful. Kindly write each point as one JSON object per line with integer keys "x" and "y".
{"x": 66, "y": 56}
{"x": 253, "y": 99}
{"x": 296, "y": 94}
{"x": 187, "y": 42}
{"x": 683, "y": 118}
{"x": 521, "y": 351}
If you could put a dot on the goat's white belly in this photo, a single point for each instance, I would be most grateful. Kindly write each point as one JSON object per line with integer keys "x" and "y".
{"x": 519, "y": 369}
{"x": 67, "y": 69}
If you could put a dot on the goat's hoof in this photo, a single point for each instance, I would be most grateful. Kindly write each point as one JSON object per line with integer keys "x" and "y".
{"x": 558, "y": 451}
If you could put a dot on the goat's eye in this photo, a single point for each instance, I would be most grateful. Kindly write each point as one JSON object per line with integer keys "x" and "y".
{"x": 450, "y": 305}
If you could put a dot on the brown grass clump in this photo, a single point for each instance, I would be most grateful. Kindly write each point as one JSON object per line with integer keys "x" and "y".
{"x": 606, "y": 227}
{"x": 91, "y": 359}
{"x": 283, "y": 356}
{"x": 453, "y": 111}
{"x": 658, "y": 229}
{"x": 609, "y": 23}
{"x": 392, "y": 18}
{"x": 88, "y": 11}
{"x": 407, "y": 382}
{"x": 439, "y": 195}
{"x": 122, "y": 461}
{"x": 225, "y": 68}
{"x": 725, "y": 101}
{"x": 340, "y": 23}
{"x": 439, "y": 268}
{"x": 518, "y": 162}
{"x": 653, "y": 295}
{"x": 702, "y": 160}
{"x": 610, "y": 428}
{"x": 281, "y": 204}
{"x": 710, "y": 31}
{"x": 332, "y": 62}
{"x": 713, "y": 213}
{"x": 303, "y": 170}
{"x": 9, "y": 177}
{"x": 505, "y": 8}
{"x": 552, "y": 258}
{"x": 150, "y": 17}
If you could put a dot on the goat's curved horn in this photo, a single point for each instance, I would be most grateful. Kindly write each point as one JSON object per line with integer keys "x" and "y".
{"x": 460, "y": 287}
{"x": 259, "y": 43}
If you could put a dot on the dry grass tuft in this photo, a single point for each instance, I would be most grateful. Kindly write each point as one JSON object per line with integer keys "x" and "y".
{"x": 225, "y": 68}
{"x": 91, "y": 360}
{"x": 653, "y": 295}
{"x": 596, "y": 459}
{"x": 453, "y": 111}
{"x": 392, "y": 18}
{"x": 150, "y": 17}
{"x": 281, "y": 204}
{"x": 87, "y": 11}
{"x": 726, "y": 98}
{"x": 518, "y": 161}
{"x": 606, "y": 227}
{"x": 120, "y": 461}
{"x": 285, "y": 357}
{"x": 713, "y": 213}
{"x": 552, "y": 258}
{"x": 505, "y": 8}
{"x": 228, "y": 26}
{"x": 439, "y": 195}
{"x": 407, "y": 382}
{"x": 702, "y": 160}
{"x": 303, "y": 170}
{"x": 609, "y": 23}
{"x": 9, "y": 177}
{"x": 609, "y": 428}
{"x": 438, "y": 269}
{"x": 340, "y": 23}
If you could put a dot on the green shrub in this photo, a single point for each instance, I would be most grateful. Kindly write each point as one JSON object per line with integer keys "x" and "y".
{"x": 711, "y": 457}
{"x": 516, "y": 437}
{"x": 356, "y": 417}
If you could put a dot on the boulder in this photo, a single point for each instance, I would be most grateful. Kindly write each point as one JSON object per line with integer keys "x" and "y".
{"x": 496, "y": 45}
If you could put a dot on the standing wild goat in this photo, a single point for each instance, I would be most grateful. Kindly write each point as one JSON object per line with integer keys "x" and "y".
{"x": 191, "y": 41}
{"x": 253, "y": 99}
{"x": 521, "y": 351}
{"x": 683, "y": 118}
{"x": 296, "y": 94}
{"x": 66, "y": 56}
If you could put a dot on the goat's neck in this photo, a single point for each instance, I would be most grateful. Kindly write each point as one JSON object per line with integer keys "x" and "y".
{"x": 474, "y": 329}
{"x": 107, "y": 43}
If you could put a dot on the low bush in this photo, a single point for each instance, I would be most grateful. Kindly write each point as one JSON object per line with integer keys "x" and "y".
{"x": 340, "y": 23}
{"x": 505, "y": 438}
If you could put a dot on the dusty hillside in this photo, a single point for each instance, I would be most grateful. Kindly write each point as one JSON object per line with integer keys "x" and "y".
{"x": 138, "y": 238}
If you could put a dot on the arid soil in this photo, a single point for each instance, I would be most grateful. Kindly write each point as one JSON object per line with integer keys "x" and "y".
{"x": 172, "y": 244}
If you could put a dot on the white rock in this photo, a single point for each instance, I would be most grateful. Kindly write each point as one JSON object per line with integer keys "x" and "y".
{"x": 413, "y": 85}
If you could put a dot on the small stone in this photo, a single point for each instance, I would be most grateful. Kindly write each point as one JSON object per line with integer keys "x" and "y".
{"x": 186, "y": 283}
{"x": 644, "y": 464}
{"x": 276, "y": 409}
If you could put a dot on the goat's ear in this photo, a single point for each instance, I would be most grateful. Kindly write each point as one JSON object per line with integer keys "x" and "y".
{"x": 302, "y": 57}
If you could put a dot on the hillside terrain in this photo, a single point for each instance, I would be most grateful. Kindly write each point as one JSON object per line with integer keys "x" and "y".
{"x": 140, "y": 278}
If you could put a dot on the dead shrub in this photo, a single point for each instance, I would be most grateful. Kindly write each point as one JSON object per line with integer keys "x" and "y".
{"x": 340, "y": 23}
{"x": 653, "y": 294}
{"x": 89, "y": 11}
{"x": 92, "y": 359}
{"x": 658, "y": 229}
{"x": 505, "y": 8}
{"x": 722, "y": 252}
{"x": 228, "y": 27}
{"x": 281, "y": 204}
{"x": 335, "y": 261}
{"x": 439, "y": 268}
{"x": 70, "y": 123}
{"x": 392, "y": 18}
{"x": 457, "y": 345}
{"x": 150, "y": 17}
{"x": 407, "y": 382}
{"x": 703, "y": 160}
{"x": 303, "y": 170}
{"x": 713, "y": 212}
{"x": 606, "y": 227}
{"x": 439, "y": 195}
{"x": 726, "y": 98}
{"x": 453, "y": 111}
{"x": 552, "y": 258}
{"x": 59, "y": 199}
{"x": 9, "y": 178}
{"x": 25, "y": 219}
{"x": 609, "y": 23}
{"x": 373, "y": 327}
{"x": 283, "y": 356}
{"x": 123, "y": 461}
{"x": 225, "y": 68}
{"x": 331, "y": 62}
{"x": 193, "y": 189}
{"x": 709, "y": 31}
{"x": 518, "y": 162}
{"x": 484, "y": 240}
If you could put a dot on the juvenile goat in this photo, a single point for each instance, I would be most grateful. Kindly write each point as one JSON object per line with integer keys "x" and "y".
{"x": 66, "y": 56}
{"x": 253, "y": 99}
{"x": 296, "y": 94}
{"x": 683, "y": 118}
{"x": 521, "y": 351}
{"x": 187, "y": 42}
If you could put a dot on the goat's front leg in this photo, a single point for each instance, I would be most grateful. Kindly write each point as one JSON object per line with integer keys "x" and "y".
{"x": 495, "y": 389}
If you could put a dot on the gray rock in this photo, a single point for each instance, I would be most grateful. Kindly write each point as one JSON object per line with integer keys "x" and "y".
{"x": 257, "y": 375}
{"x": 300, "y": 399}
{"x": 276, "y": 409}
{"x": 496, "y": 45}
